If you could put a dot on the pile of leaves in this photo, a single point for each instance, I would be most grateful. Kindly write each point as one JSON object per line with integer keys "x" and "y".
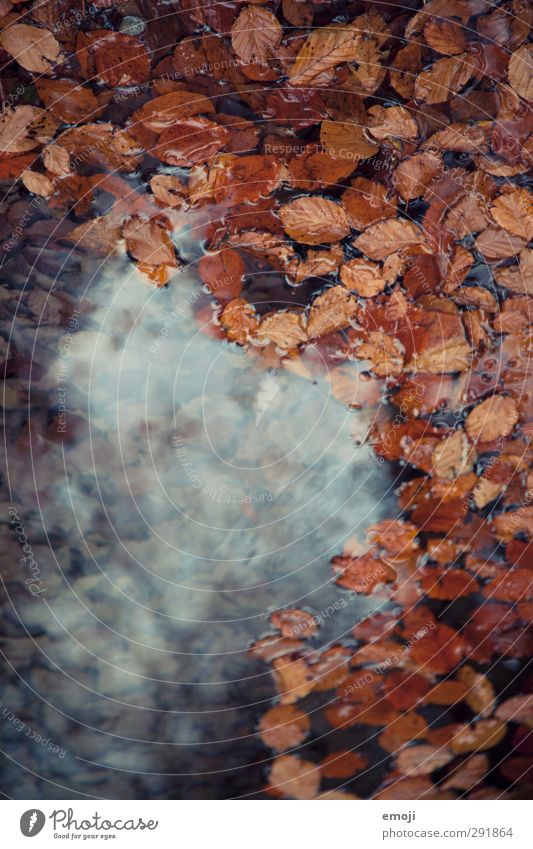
{"x": 371, "y": 163}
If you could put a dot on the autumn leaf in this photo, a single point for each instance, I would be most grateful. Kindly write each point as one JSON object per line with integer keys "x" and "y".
{"x": 384, "y": 353}
{"x": 479, "y": 736}
{"x": 346, "y": 140}
{"x": 168, "y": 189}
{"x": 324, "y": 49}
{"x": 414, "y": 174}
{"x": 35, "y": 49}
{"x": 368, "y": 202}
{"x": 423, "y": 759}
{"x": 148, "y": 242}
{"x": 362, "y": 277}
{"x": 446, "y": 37}
{"x": 38, "y": 184}
{"x": 283, "y": 329}
{"x": 387, "y": 237}
{"x": 443, "y": 78}
{"x": 25, "y": 128}
{"x": 255, "y": 33}
{"x": 493, "y": 418}
{"x": 295, "y": 778}
{"x": 67, "y": 101}
{"x": 120, "y": 59}
{"x": 520, "y": 76}
{"x": 513, "y": 210}
{"x": 314, "y": 220}
{"x": 168, "y": 109}
{"x": 284, "y": 727}
{"x": 392, "y": 121}
{"x": 101, "y": 144}
{"x": 191, "y": 141}
{"x": 332, "y": 310}
{"x": 517, "y": 709}
{"x": 240, "y": 321}
{"x": 98, "y": 235}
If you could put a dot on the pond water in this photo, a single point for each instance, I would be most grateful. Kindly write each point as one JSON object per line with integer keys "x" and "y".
{"x": 173, "y": 495}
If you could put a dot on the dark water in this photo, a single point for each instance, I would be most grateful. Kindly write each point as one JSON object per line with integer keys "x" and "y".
{"x": 182, "y": 496}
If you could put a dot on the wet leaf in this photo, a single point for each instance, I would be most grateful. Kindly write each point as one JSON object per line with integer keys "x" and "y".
{"x": 362, "y": 277}
{"x": 314, "y": 220}
{"x": 392, "y": 121}
{"x": 479, "y": 736}
{"x": 67, "y": 101}
{"x": 495, "y": 417}
{"x": 324, "y": 49}
{"x": 38, "y": 184}
{"x": 388, "y": 237}
{"x": 368, "y": 202}
{"x": 191, "y": 141}
{"x": 282, "y": 329}
{"x": 347, "y": 140}
{"x": 283, "y": 727}
{"x": 120, "y": 59}
{"x": 413, "y": 175}
{"x": 168, "y": 189}
{"x": 148, "y": 242}
{"x": 520, "y": 77}
{"x": 25, "y": 128}
{"x": 295, "y": 778}
{"x": 34, "y": 48}
{"x": 444, "y": 78}
{"x": 332, "y": 310}
{"x": 255, "y": 33}
{"x": 517, "y": 709}
{"x": 163, "y": 112}
{"x": 423, "y": 759}
{"x": 223, "y": 273}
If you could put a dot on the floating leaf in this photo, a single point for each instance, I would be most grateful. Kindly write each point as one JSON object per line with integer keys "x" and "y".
{"x": 33, "y": 48}
{"x": 314, "y": 220}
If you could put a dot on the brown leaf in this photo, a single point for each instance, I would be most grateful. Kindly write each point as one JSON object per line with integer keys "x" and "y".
{"x": 33, "y": 48}
{"x": 517, "y": 709}
{"x": 25, "y": 128}
{"x": 368, "y": 202}
{"x": 346, "y": 140}
{"x": 333, "y": 310}
{"x": 148, "y": 242}
{"x": 324, "y": 49}
{"x": 283, "y": 329}
{"x": 223, "y": 273}
{"x": 290, "y": 776}
{"x": 493, "y": 418}
{"x": 168, "y": 189}
{"x": 451, "y": 457}
{"x": 120, "y": 59}
{"x": 293, "y": 622}
{"x": 283, "y": 727}
{"x": 407, "y": 63}
{"x": 38, "y": 184}
{"x": 362, "y": 277}
{"x": 446, "y": 37}
{"x": 67, "y": 101}
{"x": 255, "y": 33}
{"x": 480, "y": 696}
{"x": 423, "y": 759}
{"x": 384, "y": 352}
{"x": 465, "y": 138}
{"x": 495, "y": 243}
{"x": 56, "y": 160}
{"x": 191, "y": 141}
{"x": 319, "y": 263}
{"x": 479, "y": 736}
{"x": 98, "y": 235}
{"x": 388, "y": 237}
{"x": 414, "y": 174}
{"x": 520, "y": 76}
{"x": 513, "y": 210}
{"x": 444, "y": 78}
{"x": 240, "y": 321}
{"x": 314, "y": 220}
{"x": 468, "y": 773}
{"x": 168, "y": 109}
{"x": 101, "y": 144}
{"x": 392, "y": 122}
